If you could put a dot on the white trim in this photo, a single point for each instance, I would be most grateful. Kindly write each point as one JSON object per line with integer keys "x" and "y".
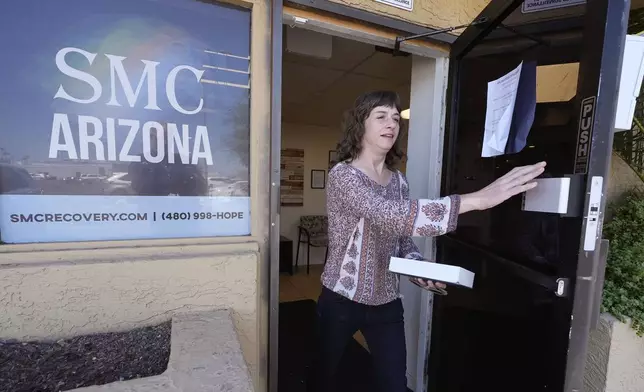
{"x": 425, "y": 151}
{"x": 441, "y": 73}
{"x": 227, "y": 54}
{"x": 226, "y": 69}
{"x": 208, "y": 81}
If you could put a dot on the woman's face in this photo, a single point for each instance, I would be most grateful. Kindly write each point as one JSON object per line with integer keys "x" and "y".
{"x": 381, "y": 129}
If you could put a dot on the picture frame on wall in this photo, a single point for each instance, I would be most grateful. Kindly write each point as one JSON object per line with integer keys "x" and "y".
{"x": 333, "y": 158}
{"x": 318, "y": 179}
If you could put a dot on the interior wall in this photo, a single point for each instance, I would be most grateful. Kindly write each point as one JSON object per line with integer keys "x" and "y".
{"x": 316, "y": 142}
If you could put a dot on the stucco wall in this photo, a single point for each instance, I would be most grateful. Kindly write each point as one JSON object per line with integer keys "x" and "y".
{"x": 430, "y": 13}
{"x": 557, "y": 82}
{"x": 448, "y": 13}
{"x": 54, "y": 295}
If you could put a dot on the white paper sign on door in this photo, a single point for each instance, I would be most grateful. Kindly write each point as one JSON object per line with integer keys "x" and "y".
{"x": 501, "y": 96}
{"x": 545, "y": 5}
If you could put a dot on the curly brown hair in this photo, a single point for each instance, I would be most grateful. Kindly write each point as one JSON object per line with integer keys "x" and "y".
{"x": 350, "y": 146}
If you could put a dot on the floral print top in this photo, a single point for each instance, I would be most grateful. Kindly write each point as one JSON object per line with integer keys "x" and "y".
{"x": 369, "y": 223}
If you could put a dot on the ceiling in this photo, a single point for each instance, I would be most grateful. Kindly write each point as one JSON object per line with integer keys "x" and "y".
{"x": 318, "y": 91}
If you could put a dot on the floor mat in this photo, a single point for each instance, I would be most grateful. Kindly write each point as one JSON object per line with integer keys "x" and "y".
{"x": 297, "y": 351}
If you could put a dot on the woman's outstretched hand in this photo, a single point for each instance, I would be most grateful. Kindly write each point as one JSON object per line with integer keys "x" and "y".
{"x": 517, "y": 180}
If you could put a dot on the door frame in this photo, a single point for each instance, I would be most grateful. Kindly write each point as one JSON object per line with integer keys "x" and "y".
{"x": 599, "y": 77}
{"x": 424, "y": 171}
{"x": 603, "y": 68}
{"x": 274, "y": 204}
{"x": 428, "y": 186}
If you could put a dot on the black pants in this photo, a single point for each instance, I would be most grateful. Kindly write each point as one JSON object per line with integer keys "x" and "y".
{"x": 383, "y": 328}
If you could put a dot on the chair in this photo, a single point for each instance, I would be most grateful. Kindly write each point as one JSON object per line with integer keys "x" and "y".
{"x": 312, "y": 231}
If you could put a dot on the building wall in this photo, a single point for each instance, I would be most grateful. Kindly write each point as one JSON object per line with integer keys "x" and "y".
{"x": 448, "y": 13}
{"x": 557, "y": 83}
{"x": 430, "y": 13}
{"x": 62, "y": 294}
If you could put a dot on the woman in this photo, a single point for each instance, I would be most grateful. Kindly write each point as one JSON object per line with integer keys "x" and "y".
{"x": 371, "y": 218}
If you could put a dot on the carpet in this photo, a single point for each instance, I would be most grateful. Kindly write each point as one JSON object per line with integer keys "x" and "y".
{"x": 297, "y": 352}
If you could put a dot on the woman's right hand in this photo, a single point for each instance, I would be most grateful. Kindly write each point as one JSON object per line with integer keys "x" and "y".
{"x": 517, "y": 180}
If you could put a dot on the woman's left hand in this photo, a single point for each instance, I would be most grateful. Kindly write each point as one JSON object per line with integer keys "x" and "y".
{"x": 517, "y": 180}
{"x": 427, "y": 284}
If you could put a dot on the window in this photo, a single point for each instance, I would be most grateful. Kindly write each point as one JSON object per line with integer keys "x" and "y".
{"x": 14, "y": 179}
{"x": 115, "y": 115}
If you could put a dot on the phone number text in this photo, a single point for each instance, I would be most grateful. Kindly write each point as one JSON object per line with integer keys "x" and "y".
{"x": 199, "y": 215}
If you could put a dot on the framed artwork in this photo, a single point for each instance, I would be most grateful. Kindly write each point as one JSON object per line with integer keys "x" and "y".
{"x": 318, "y": 179}
{"x": 333, "y": 158}
{"x": 292, "y": 178}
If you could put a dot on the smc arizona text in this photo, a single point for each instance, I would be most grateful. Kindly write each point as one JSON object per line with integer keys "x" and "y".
{"x": 92, "y": 129}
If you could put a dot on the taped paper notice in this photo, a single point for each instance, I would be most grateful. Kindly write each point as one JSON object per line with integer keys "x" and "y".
{"x": 509, "y": 115}
{"x": 501, "y": 95}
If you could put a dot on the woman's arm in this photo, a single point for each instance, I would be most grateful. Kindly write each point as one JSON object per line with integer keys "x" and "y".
{"x": 407, "y": 248}
{"x": 350, "y": 193}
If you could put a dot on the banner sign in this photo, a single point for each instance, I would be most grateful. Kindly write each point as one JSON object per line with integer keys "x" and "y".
{"x": 544, "y": 5}
{"x": 124, "y": 120}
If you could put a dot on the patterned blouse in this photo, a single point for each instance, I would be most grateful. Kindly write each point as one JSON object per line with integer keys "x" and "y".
{"x": 369, "y": 223}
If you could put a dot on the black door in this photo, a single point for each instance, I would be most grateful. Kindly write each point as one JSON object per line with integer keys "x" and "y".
{"x": 525, "y": 324}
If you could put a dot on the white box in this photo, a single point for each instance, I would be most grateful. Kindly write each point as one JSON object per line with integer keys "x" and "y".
{"x": 550, "y": 195}
{"x": 433, "y": 271}
{"x": 630, "y": 81}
